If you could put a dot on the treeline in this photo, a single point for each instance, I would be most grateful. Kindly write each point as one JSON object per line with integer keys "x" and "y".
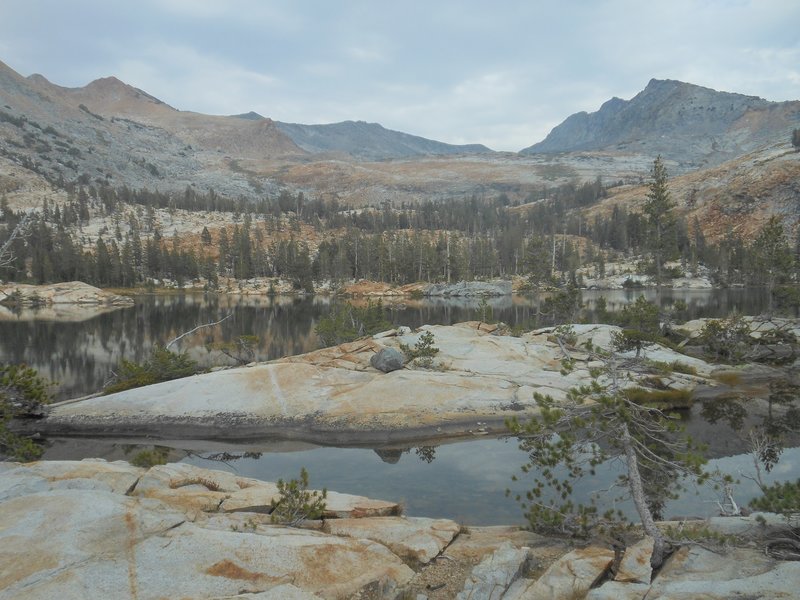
{"x": 461, "y": 239}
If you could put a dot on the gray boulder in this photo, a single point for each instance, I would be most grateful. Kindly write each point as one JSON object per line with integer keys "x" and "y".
{"x": 387, "y": 360}
{"x": 491, "y": 578}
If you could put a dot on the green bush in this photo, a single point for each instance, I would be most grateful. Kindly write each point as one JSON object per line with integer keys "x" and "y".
{"x": 162, "y": 365}
{"x": 22, "y": 394}
{"x": 150, "y": 458}
{"x": 423, "y": 351}
{"x": 782, "y": 498}
{"x": 296, "y": 503}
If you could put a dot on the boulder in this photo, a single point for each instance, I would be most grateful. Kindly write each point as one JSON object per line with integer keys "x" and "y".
{"x": 416, "y": 540}
{"x": 635, "y": 564}
{"x": 694, "y": 572}
{"x": 614, "y": 590}
{"x": 344, "y": 506}
{"x": 387, "y": 360}
{"x": 256, "y": 498}
{"x": 491, "y": 578}
{"x": 573, "y": 574}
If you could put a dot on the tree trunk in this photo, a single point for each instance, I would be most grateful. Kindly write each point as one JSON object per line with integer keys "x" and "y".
{"x": 639, "y": 500}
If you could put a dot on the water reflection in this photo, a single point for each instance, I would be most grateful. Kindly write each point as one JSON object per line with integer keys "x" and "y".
{"x": 466, "y": 480}
{"x": 80, "y": 355}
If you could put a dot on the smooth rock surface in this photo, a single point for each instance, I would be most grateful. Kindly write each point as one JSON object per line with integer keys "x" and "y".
{"x": 414, "y": 539}
{"x": 97, "y": 541}
{"x": 334, "y": 395}
{"x": 96, "y": 474}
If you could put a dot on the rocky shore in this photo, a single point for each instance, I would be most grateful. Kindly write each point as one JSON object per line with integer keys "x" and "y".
{"x": 96, "y": 530}
{"x": 70, "y": 292}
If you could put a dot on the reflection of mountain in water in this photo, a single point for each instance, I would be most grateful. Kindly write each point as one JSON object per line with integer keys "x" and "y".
{"x": 390, "y": 455}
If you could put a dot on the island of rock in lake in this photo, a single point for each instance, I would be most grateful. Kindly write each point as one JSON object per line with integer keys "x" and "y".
{"x": 480, "y": 377}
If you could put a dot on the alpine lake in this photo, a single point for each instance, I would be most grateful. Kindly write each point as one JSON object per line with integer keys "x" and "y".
{"x": 465, "y": 478}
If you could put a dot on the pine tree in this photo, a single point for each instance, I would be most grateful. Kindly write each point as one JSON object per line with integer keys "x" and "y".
{"x": 658, "y": 208}
{"x": 772, "y": 257}
{"x": 595, "y": 424}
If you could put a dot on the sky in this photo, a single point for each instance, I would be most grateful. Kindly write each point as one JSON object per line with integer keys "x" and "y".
{"x": 501, "y": 74}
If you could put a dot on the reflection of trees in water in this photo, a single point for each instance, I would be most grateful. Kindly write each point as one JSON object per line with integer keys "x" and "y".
{"x": 392, "y": 456}
{"x": 426, "y": 453}
{"x": 81, "y": 355}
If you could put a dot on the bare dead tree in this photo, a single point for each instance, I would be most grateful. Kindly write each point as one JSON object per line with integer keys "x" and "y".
{"x": 7, "y": 255}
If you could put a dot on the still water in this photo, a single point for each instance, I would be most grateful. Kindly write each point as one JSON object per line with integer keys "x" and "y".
{"x": 79, "y": 351}
{"x": 462, "y": 479}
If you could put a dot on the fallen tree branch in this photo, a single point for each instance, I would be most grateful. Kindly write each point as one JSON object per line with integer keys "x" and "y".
{"x": 183, "y": 335}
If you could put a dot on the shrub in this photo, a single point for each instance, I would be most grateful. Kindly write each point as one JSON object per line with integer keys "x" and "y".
{"x": 661, "y": 399}
{"x": 673, "y": 367}
{"x": 485, "y": 311}
{"x": 679, "y": 367}
{"x": 296, "y": 503}
{"x": 150, "y": 458}
{"x": 162, "y": 365}
{"x": 726, "y": 339}
{"x": 631, "y": 339}
{"x": 423, "y": 351}
{"x": 22, "y": 394}
{"x": 782, "y": 498}
{"x": 729, "y": 378}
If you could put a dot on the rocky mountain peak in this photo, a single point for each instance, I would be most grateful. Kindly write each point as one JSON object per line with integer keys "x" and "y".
{"x": 688, "y": 123}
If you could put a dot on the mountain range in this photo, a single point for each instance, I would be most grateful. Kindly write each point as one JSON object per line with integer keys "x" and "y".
{"x": 114, "y": 133}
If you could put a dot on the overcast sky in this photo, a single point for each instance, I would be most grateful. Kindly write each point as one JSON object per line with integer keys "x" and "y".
{"x": 500, "y": 73}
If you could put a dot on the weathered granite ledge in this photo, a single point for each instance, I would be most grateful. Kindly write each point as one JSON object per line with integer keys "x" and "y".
{"x": 96, "y": 530}
{"x": 477, "y": 380}
{"x": 70, "y": 292}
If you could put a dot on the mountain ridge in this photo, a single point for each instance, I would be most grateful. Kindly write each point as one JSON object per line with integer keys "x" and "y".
{"x": 111, "y": 97}
{"x": 370, "y": 141}
{"x": 681, "y": 121}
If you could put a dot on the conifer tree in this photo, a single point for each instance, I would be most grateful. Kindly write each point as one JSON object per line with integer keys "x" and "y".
{"x": 658, "y": 209}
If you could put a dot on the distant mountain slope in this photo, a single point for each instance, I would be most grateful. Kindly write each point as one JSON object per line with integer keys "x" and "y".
{"x": 240, "y": 138}
{"x": 687, "y": 123}
{"x": 370, "y": 141}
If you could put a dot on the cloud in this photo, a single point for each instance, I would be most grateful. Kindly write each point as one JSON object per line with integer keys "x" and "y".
{"x": 502, "y": 74}
{"x": 363, "y": 54}
{"x": 190, "y": 80}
